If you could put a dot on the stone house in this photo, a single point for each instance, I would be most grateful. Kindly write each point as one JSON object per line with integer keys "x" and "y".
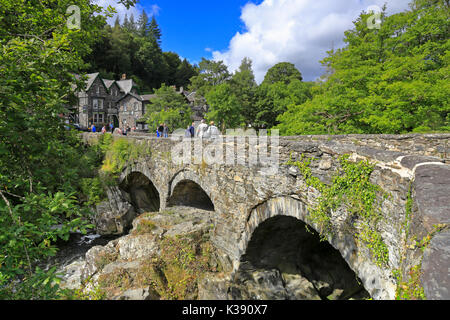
{"x": 131, "y": 108}
{"x": 105, "y": 101}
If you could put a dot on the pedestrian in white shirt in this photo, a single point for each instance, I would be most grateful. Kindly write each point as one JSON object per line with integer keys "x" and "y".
{"x": 213, "y": 131}
{"x": 202, "y": 130}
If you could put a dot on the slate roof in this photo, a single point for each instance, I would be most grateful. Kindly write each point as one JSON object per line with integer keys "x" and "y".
{"x": 131, "y": 94}
{"x": 91, "y": 79}
{"x": 108, "y": 83}
{"x": 148, "y": 97}
{"x": 126, "y": 85}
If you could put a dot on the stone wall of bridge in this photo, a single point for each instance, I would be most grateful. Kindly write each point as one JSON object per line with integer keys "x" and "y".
{"x": 244, "y": 195}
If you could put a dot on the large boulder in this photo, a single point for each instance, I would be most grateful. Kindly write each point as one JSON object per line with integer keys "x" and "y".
{"x": 129, "y": 267}
{"x": 115, "y": 216}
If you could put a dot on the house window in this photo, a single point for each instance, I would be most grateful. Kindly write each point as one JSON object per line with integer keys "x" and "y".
{"x": 98, "y": 89}
{"x": 98, "y": 117}
{"x": 97, "y": 104}
{"x": 136, "y": 106}
{"x": 125, "y": 108}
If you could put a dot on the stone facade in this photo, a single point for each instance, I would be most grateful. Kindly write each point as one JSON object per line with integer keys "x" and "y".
{"x": 244, "y": 197}
{"x": 118, "y": 102}
{"x": 131, "y": 109}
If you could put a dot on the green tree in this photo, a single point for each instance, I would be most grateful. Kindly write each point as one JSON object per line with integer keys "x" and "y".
{"x": 211, "y": 73}
{"x": 168, "y": 107}
{"x": 143, "y": 26}
{"x": 282, "y": 72}
{"x": 273, "y": 100}
{"x": 155, "y": 31}
{"x": 184, "y": 73}
{"x": 391, "y": 80}
{"x": 40, "y": 168}
{"x": 134, "y": 48}
{"x": 225, "y": 108}
{"x": 173, "y": 62}
{"x": 244, "y": 87}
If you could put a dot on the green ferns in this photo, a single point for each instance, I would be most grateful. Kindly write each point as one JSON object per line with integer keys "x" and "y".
{"x": 119, "y": 152}
{"x": 350, "y": 188}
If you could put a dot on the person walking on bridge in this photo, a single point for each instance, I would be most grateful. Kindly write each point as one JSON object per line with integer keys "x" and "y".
{"x": 202, "y": 130}
{"x": 213, "y": 131}
{"x": 166, "y": 131}
{"x": 192, "y": 130}
{"x": 160, "y": 130}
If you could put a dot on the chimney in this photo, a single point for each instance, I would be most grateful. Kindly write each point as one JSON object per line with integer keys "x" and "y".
{"x": 124, "y": 77}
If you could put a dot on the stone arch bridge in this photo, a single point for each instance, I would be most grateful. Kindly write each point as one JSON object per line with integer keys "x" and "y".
{"x": 413, "y": 169}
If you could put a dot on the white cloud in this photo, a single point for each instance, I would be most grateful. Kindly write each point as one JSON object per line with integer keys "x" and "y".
{"x": 296, "y": 31}
{"x": 155, "y": 9}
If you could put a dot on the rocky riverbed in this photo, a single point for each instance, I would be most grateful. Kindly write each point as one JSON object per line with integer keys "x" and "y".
{"x": 163, "y": 257}
{"x": 168, "y": 255}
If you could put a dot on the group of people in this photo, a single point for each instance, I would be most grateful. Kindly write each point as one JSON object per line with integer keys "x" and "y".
{"x": 110, "y": 128}
{"x": 203, "y": 131}
{"x": 162, "y": 131}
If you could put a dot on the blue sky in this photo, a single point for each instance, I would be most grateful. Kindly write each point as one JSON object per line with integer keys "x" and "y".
{"x": 266, "y": 31}
{"x": 194, "y": 28}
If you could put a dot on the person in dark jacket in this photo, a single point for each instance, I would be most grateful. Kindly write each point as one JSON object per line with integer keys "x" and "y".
{"x": 192, "y": 130}
{"x": 161, "y": 130}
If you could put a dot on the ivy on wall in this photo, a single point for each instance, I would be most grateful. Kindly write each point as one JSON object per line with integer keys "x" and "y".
{"x": 350, "y": 188}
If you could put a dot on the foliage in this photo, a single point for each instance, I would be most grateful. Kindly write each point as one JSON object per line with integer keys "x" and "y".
{"x": 282, "y": 72}
{"x": 120, "y": 152}
{"x": 211, "y": 74}
{"x": 94, "y": 190}
{"x": 225, "y": 108}
{"x": 40, "y": 167}
{"x": 391, "y": 80}
{"x": 274, "y": 99}
{"x": 411, "y": 289}
{"x": 244, "y": 87}
{"x": 182, "y": 263}
{"x": 97, "y": 293}
{"x": 351, "y": 189}
{"x": 134, "y": 48}
{"x": 236, "y": 100}
{"x": 144, "y": 226}
{"x": 168, "y": 107}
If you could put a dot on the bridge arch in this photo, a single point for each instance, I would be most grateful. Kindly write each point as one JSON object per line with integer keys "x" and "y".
{"x": 289, "y": 216}
{"x": 144, "y": 195}
{"x": 186, "y": 189}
